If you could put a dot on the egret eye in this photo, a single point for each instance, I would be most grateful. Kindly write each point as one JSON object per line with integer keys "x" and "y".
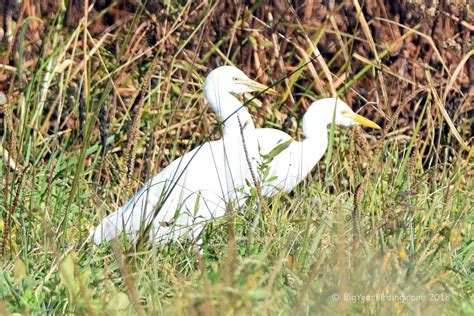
{"x": 236, "y": 78}
{"x": 344, "y": 112}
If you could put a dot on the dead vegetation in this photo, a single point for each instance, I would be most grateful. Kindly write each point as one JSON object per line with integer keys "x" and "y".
{"x": 272, "y": 39}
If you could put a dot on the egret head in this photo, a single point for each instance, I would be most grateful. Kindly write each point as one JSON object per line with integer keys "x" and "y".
{"x": 320, "y": 113}
{"x": 224, "y": 80}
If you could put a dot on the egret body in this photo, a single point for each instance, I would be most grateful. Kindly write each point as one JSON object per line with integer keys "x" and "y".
{"x": 198, "y": 186}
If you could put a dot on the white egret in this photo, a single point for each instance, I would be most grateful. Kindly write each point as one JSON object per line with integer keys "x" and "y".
{"x": 196, "y": 187}
{"x": 294, "y": 162}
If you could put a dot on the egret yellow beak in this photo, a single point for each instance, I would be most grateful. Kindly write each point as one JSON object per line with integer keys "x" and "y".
{"x": 254, "y": 85}
{"x": 363, "y": 121}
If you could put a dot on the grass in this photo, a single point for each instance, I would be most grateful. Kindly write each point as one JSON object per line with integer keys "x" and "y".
{"x": 382, "y": 226}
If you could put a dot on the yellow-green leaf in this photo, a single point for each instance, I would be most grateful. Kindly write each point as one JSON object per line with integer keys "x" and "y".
{"x": 278, "y": 149}
{"x": 67, "y": 275}
{"x": 19, "y": 270}
{"x": 118, "y": 302}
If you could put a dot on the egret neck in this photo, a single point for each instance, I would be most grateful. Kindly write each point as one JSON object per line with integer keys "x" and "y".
{"x": 233, "y": 114}
{"x": 312, "y": 150}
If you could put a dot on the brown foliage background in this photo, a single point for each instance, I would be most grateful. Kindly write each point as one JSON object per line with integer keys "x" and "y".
{"x": 266, "y": 40}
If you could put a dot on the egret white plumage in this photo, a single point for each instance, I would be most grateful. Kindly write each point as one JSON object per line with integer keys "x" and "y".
{"x": 292, "y": 164}
{"x": 196, "y": 187}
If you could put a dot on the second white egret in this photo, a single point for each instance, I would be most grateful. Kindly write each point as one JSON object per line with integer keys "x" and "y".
{"x": 295, "y": 162}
